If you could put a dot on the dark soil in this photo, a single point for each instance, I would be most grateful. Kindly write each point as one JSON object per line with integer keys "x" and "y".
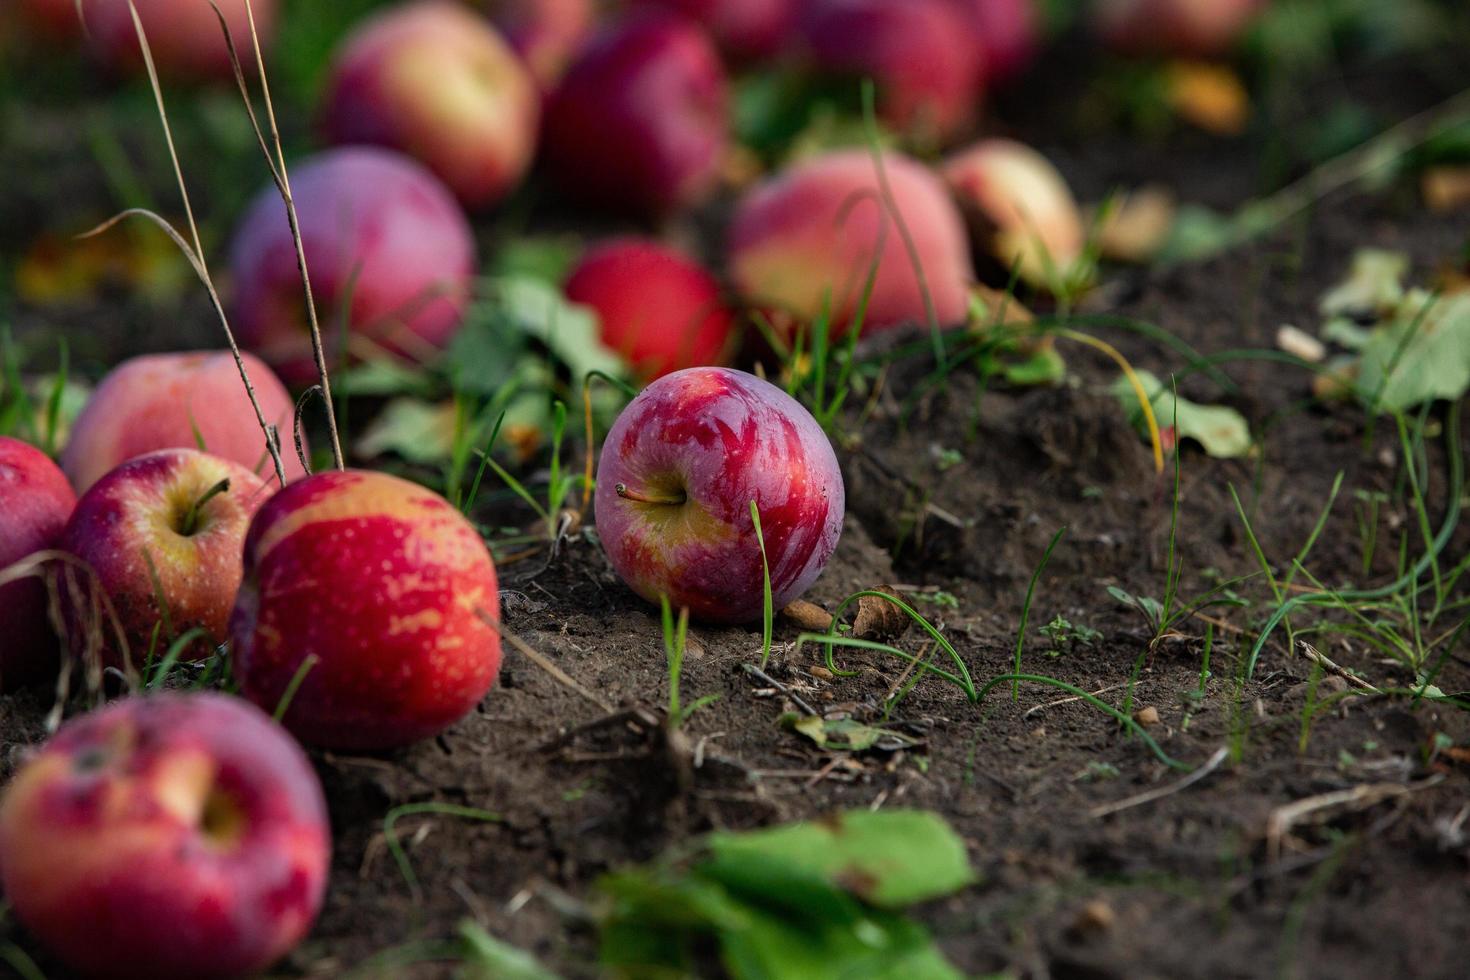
{"x": 1187, "y": 885}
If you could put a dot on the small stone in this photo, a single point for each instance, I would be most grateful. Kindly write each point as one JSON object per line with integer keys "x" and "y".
{"x": 1093, "y": 918}
{"x": 821, "y": 673}
{"x": 1147, "y": 717}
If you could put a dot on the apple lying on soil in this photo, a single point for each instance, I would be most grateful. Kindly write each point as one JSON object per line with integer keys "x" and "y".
{"x": 163, "y": 533}
{"x": 1022, "y": 210}
{"x": 677, "y": 476}
{"x": 435, "y": 80}
{"x": 807, "y": 239}
{"x": 745, "y": 30}
{"x": 1174, "y": 28}
{"x": 640, "y": 123}
{"x": 383, "y": 237}
{"x": 168, "y": 837}
{"x": 172, "y": 401}
{"x": 659, "y": 309}
{"x": 184, "y": 36}
{"x": 387, "y": 589}
{"x": 545, "y": 33}
{"x": 921, "y": 55}
{"x": 1008, "y": 33}
{"x": 35, "y": 502}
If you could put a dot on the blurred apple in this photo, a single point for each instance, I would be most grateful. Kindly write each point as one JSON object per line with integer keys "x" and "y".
{"x": 656, "y": 307}
{"x": 434, "y": 80}
{"x": 921, "y": 55}
{"x": 53, "y": 20}
{"x": 1174, "y": 28}
{"x": 1021, "y": 206}
{"x": 1008, "y": 33}
{"x": 171, "y": 401}
{"x": 545, "y": 33}
{"x": 387, "y": 247}
{"x": 164, "y": 534}
{"x": 387, "y": 589}
{"x": 35, "y": 502}
{"x": 745, "y": 29}
{"x": 640, "y": 122}
{"x": 808, "y": 238}
{"x": 183, "y": 35}
{"x": 172, "y": 837}
{"x": 678, "y": 473}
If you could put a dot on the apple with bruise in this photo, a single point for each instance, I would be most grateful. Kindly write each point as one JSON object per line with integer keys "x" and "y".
{"x": 163, "y": 534}
{"x": 35, "y": 502}
{"x": 658, "y": 308}
{"x": 640, "y": 124}
{"x": 438, "y": 82}
{"x": 1020, "y": 205}
{"x": 172, "y": 837}
{"x": 920, "y": 54}
{"x": 676, "y": 479}
{"x": 172, "y": 401}
{"x": 806, "y": 240}
{"x": 1174, "y": 28}
{"x": 379, "y": 598}
{"x": 387, "y": 247}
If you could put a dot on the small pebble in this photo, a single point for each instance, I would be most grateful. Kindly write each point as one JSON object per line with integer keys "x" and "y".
{"x": 1147, "y": 717}
{"x": 1095, "y": 917}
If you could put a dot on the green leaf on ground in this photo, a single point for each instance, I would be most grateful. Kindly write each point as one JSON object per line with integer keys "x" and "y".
{"x": 488, "y": 958}
{"x": 1222, "y": 432}
{"x": 845, "y": 734}
{"x": 1422, "y": 354}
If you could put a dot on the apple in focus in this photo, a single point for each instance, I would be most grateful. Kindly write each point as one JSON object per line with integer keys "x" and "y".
{"x": 435, "y": 80}
{"x": 35, "y": 502}
{"x": 173, "y": 401}
{"x": 163, "y": 533}
{"x": 661, "y": 310}
{"x": 808, "y": 237}
{"x": 640, "y": 124}
{"x": 166, "y": 837}
{"x": 675, "y": 481}
{"x": 383, "y": 237}
{"x": 388, "y": 588}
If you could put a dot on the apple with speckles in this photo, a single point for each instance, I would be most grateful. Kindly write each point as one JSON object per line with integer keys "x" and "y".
{"x": 171, "y": 401}
{"x": 162, "y": 534}
{"x": 676, "y": 479}
{"x": 167, "y": 837}
{"x": 657, "y": 307}
{"x": 386, "y": 591}
{"x": 436, "y": 80}
{"x": 35, "y": 502}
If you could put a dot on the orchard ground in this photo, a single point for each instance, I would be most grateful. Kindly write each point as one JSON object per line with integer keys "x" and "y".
{"x": 955, "y": 496}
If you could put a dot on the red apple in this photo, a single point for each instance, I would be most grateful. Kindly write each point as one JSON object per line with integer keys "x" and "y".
{"x": 165, "y": 545}
{"x": 921, "y": 55}
{"x": 1008, "y": 33}
{"x": 659, "y": 309}
{"x": 435, "y": 80}
{"x": 167, "y": 837}
{"x": 171, "y": 401}
{"x": 676, "y": 479}
{"x": 386, "y": 585}
{"x": 640, "y": 122}
{"x": 35, "y": 502}
{"x": 1174, "y": 28}
{"x": 745, "y": 29}
{"x": 808, "y": 237}
{"x": 52, "y": 20}
{"x": 183, "y": 35}
{"x": 545, "y": 33}
{"x": 1022, "y": 207}
{"x": 383, "y": 237}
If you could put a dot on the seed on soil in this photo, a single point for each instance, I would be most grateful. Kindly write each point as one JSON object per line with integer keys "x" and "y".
{"x": 1147, "y": 717}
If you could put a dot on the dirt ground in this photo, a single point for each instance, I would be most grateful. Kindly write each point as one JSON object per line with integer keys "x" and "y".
{"x": 1191, "y": 884}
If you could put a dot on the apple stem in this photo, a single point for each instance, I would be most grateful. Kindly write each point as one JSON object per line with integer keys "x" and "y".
{"x": 191, "y": 519}
{"x": 649, "y": 498}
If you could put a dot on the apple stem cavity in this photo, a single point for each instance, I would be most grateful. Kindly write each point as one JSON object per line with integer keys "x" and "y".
{"x": 190, "y": 524}
{"x": 650, "y": 498}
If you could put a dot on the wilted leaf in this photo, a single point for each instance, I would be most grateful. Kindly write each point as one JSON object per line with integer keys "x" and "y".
{"x": 846, "y": 734}
{"x": 57, "y": 271}
{"x": 1221, "y": 431}
{"x": 1374, "y": 286}
{"x": 889, "y": 859}
{"x": 878, "y": 619}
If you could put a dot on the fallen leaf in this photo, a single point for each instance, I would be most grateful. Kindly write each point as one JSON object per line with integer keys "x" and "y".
{"x": 847, "y": 734}
{"x": 1373, "y": 287}
{"x": 1421, "y": 355}
{"x": 1137, "y": 224}
{"x": 1221, "y": 431}
{"x": 1211, "y": 96}
{"x": 878, "y": 619}
{"x": 1446, "y": 188}
{"x": 420, "y": 432}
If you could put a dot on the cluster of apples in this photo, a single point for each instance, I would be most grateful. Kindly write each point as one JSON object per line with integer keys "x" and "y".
{"x": 186, "y": 835}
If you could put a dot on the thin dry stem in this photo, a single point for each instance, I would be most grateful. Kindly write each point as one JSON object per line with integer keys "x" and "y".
{"x": 526, "y": 650}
